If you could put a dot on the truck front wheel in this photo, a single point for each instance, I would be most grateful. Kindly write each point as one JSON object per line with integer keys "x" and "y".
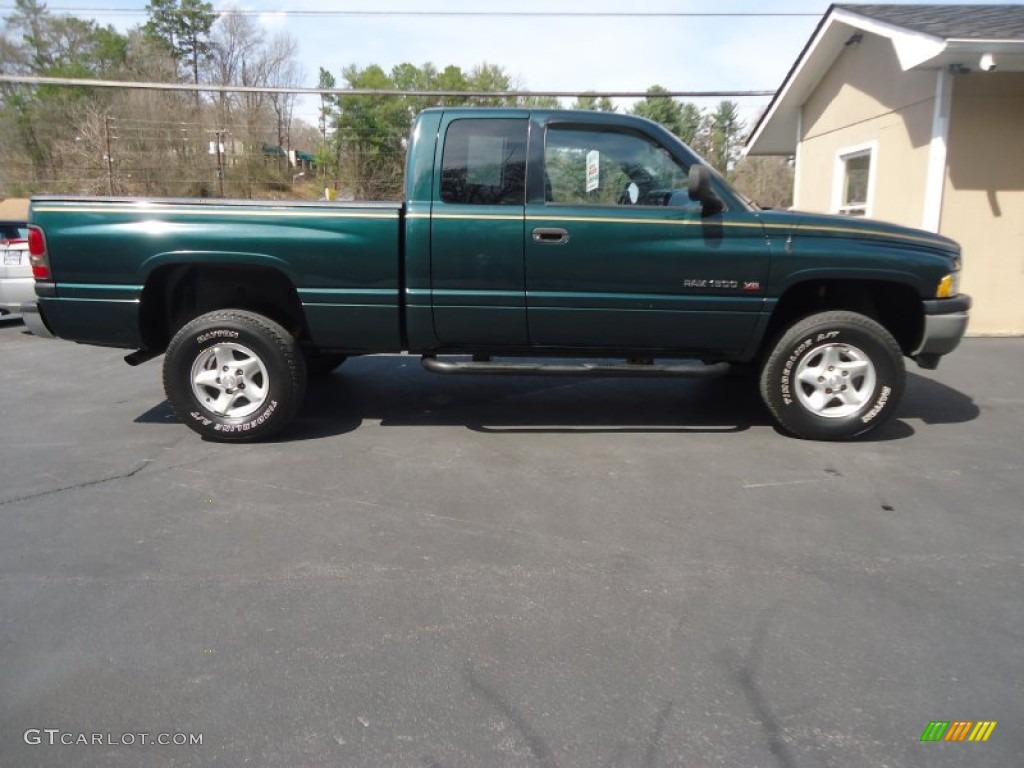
{"x": 833, "y": 376}
{"x": 234, "y": 376}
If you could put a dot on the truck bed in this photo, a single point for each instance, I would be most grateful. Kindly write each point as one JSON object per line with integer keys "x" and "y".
{"x": 342, "y": 258}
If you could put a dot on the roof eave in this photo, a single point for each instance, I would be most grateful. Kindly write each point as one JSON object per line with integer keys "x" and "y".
{"x": 772, "y": 135}
{"x": 776, "y": 131}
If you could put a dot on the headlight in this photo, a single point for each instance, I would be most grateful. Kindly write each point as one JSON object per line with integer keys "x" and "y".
{"x": 948, "y": 286}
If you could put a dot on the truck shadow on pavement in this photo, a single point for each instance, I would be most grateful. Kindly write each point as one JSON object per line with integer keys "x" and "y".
{"x": 395, "y": 391}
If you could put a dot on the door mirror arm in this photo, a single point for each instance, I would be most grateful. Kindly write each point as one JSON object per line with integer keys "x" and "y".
{"x": 701, "y": 190}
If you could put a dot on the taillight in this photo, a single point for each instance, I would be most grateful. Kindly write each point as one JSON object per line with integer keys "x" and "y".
{"x": 37, "y": 254}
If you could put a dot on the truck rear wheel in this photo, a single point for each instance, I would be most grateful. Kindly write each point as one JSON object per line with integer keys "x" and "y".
{"x": 234, "y": 376}
{"x": 833, "y": 376}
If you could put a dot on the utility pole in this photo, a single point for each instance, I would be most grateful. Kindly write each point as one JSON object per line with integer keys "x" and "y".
{"x": 323, "y": 128}
{"x": 220, "y": 133}
{"x": 110, "y": 156}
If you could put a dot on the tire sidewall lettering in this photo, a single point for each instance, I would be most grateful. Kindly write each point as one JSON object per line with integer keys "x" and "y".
{"x": 217, "y": 334}
{"x": 200, "y": 418}
{"x": 806, "y": 344}
{"x": 879, "y": 406}
{"x": 245, "y": 426}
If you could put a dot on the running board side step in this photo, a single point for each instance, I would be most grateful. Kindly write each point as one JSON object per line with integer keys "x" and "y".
{"x": 684, "y": 371}
{"x": 142, "y": 356}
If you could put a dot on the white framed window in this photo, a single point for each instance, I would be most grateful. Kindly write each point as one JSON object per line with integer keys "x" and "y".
{"x": 854, "y": 180}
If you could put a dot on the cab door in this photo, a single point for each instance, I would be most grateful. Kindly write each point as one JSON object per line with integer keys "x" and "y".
{"x": 478, "y": 289}
{"x": 619, "y": 257}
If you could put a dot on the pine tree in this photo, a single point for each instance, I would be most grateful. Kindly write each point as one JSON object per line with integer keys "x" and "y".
{"x": 183, "y": 26}
{"x": 661, "y": 109}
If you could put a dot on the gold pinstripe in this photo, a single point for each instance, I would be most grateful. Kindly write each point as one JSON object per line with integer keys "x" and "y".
{"x": 621, "y": 220}
{"x": 480, "y": 216}
{"x": 736, "y": 224}
{"x": 203, "y": 211}
{"x": 808, "y": 228}
{"x": 851, "y": 231}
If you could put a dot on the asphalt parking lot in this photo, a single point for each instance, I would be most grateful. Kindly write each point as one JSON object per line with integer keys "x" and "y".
{"x": 440, "y": 572}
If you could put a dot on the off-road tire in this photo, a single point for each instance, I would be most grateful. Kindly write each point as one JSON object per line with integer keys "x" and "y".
{"x": 833, "y": 376}
{"x": 234, "y": 376}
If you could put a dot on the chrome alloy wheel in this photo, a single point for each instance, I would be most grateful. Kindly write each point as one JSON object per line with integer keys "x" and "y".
{"x": 835, "y": 380}
{"x": 230, "y": 380}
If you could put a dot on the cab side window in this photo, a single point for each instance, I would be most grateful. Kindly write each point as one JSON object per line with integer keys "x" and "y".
{"x": 484, "y": 162}
{"x": 608, "y": 166}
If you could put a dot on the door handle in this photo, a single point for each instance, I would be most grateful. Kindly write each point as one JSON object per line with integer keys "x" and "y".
{"x": 551, "y": 235}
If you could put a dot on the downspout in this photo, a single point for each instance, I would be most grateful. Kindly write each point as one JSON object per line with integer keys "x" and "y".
{"x": 938, "y": 151}
{"x": 796, "y": 157}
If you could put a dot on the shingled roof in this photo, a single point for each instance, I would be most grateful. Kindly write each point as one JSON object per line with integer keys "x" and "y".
{"x": 950, "y": 22}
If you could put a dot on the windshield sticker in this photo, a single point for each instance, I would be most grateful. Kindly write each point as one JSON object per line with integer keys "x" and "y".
{"x": 593, "y": 170}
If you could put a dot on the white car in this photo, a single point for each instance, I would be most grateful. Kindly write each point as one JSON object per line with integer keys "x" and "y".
{"x": 16, "y": 282}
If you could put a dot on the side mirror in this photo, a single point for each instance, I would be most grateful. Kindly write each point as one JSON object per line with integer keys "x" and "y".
{"x": 700, "y": 189}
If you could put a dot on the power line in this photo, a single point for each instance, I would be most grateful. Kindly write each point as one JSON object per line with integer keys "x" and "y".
{"x": 454, "y": 14}
{"x": 210, "y": 88}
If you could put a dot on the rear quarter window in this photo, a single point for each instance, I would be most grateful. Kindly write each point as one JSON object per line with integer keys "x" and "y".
{"x": 484, "y": 162}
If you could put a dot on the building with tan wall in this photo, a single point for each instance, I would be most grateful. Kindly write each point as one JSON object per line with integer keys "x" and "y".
{"x": 915, "y": 114}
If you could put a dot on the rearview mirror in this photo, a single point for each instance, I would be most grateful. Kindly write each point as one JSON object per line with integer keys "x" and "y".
{"x": 700, "y": 189}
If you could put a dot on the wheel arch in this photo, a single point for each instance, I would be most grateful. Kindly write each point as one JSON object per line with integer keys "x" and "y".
{"x": 175, "y": 292}
{"x": 894, "y": 304}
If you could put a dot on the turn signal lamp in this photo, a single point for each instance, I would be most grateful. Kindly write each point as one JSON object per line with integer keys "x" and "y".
{"x": 948, "y": 286}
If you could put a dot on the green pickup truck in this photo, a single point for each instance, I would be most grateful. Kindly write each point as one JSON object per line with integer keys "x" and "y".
{"x": 529, "y": 242}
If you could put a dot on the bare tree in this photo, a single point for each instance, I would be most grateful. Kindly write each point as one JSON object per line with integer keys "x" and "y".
{"x": 236, "y": 42}
{"x": 768, "y": 180}
{"x": 283, "y": 71}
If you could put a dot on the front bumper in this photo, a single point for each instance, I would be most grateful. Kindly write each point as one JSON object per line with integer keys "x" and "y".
{"x": 945, "y": 322}
{"x": 34, "y": 320}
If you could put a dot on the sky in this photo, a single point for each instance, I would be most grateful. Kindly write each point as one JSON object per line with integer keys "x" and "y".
{"x": 541, "y": 53}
